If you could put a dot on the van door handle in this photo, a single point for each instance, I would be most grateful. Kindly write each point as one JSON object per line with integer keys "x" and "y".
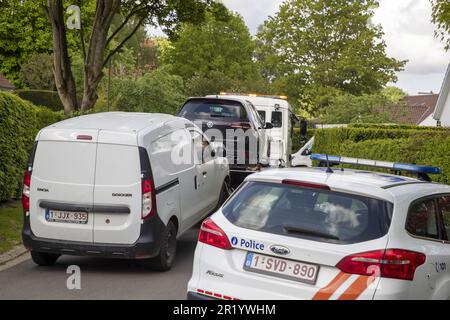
{"x": 205, "y": 173}
{"x": 195, "y": 183}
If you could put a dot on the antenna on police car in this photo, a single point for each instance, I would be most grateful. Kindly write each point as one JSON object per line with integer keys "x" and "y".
{"x": 329, "y": 170}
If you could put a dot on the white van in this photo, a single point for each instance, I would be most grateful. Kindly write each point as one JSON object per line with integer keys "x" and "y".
{"x": 106, "y": 185}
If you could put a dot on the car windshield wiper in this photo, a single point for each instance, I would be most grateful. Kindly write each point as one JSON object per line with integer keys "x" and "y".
{"x": 217, "y": 116}
{"x": 295, "y": 229}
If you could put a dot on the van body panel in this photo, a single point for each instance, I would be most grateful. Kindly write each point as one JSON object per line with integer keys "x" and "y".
{"x": 63, "y": 172}
{"x": 117, "y": 184}
{"x": 69, "y": 135}
{"x": 166, "y": 176}
{"x": 121, "y": 138}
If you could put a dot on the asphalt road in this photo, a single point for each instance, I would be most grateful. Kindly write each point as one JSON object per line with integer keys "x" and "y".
{"x": 101, "y": 279}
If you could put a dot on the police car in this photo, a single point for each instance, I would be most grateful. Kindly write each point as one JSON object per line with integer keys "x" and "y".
{"x": 328, "y": 234}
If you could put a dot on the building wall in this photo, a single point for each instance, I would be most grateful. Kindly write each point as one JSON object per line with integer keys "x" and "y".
{"x": 445, "y": 118}
{"x": 429, "y": 122}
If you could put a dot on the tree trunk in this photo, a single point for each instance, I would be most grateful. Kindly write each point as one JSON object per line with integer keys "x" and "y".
{"x": 65, "y": 83}
{"x": 93, "y": 68}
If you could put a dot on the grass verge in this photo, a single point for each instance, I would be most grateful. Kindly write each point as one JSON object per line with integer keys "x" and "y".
{"x": 11, "y": 219}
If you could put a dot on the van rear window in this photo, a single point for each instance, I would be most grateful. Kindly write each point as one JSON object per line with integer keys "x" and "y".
{"x": 308, "y": 213}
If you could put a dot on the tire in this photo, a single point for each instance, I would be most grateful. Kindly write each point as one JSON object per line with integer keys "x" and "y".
{"x": 164, "y": 260}
{"x": 44, "y": 259}
{"x": 225, "y": 192}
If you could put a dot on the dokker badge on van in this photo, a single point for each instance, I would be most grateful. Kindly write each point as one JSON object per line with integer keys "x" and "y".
{"x": 122, "y": 195}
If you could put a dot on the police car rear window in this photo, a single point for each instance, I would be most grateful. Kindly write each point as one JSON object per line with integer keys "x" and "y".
{"x": 317, "y": 215}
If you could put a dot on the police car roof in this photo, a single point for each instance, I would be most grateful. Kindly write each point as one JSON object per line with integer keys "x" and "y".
{"x": 116, "y": 121}
{"x": 368, "y": 183}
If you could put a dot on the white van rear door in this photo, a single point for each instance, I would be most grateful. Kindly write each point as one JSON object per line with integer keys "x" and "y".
{"x": 117, "y": 192}
{"x": 62, "y": 185}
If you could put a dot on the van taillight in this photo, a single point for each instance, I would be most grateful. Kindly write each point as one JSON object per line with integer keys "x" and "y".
{"x": 148, "y": 199}
{"x": 26, "y": 192}
{"x": 389, "y": 263}
{"x": 210, "y": 233}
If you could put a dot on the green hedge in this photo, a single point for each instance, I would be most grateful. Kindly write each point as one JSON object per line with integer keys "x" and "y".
{"x": 411, "y": 145}
{"x": 394, "y": 126}
{"x": 19, "y": 123}
{"x": 49, "y": 99}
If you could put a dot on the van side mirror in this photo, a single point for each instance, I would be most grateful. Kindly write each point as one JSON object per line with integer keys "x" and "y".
{"x": 307, "y": 152}
{"x": 268, "y": 126}
{"x": 218, "y": 150}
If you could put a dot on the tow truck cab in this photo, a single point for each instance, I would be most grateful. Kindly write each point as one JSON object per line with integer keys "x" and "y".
{"x": 277, "y": 111}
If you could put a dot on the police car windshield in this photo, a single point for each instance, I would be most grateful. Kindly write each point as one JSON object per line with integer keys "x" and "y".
{"x": 313, "y": 214}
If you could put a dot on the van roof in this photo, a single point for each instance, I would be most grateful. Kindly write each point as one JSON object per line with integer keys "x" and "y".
{"x": 115, "y": 121}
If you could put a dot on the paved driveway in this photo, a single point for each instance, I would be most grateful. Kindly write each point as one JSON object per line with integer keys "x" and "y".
{"x": 101, "y": 279}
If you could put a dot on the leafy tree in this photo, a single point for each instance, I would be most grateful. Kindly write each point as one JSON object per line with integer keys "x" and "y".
{"x": 316, "y": 50}
{"x": 212, "y": 83}
{"x": 24, "y": 31}
{"x": 393, "y": 94}
{"x": 441, "y": 17}
{"x": 215, "y": 82}
{"x": 159, "y": 91}
{"x": 347, "y": 108}
{"x": 100, "y": 45}
{"x": 37, "y": 72}
{"x": 219, "y": 45}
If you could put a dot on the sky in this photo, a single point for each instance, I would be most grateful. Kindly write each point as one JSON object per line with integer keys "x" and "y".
{"x": 409, "y": 35}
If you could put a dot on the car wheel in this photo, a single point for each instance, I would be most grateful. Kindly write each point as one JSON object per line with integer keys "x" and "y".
{"x": 224, "y": 193}
{"x": 44, "y": 259}
{"x": 164, "y": 260}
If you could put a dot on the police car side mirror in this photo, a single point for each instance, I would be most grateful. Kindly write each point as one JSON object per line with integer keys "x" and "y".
{"x": 268, "y": 126}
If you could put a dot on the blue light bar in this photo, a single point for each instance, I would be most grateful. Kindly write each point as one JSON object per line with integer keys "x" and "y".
{"x": 396, "y": 166}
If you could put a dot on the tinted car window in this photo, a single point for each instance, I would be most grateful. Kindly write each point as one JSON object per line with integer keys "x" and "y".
{"x": 277, "y": 119}
{"x": 444, "y": 208}
{"x": 213, "y": 109}
{"x": 258, "y": 120}
{"x": 308, "y": 213}
{"x": 422, "y": 219}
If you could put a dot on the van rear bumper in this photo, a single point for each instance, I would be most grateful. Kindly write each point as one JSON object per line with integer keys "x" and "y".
{"x": 147, "y": 246}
